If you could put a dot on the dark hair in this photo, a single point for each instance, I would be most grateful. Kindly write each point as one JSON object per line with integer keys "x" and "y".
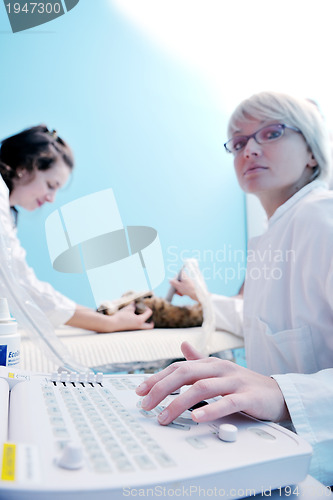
{"x": 35, "y": 148}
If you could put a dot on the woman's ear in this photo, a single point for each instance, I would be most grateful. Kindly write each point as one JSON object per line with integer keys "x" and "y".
{"x": 313, "y": 162}
{"x": 21, "y": 172}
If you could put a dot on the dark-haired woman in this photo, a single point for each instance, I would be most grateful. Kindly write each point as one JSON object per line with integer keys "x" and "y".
{"x": 34, "y": 165}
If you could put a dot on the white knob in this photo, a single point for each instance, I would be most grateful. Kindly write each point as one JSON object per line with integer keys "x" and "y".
{"x": 228, "y": 432}
{"x": 71, "y": 457}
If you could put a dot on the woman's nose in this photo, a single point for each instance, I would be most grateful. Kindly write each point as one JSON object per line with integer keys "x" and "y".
{"x": 252, "y": 148}
{"x": 50, "y": 197}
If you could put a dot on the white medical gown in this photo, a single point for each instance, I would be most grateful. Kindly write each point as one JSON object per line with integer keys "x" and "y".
{"x": 287, "y": 319}
{"x": 58, "y": 308}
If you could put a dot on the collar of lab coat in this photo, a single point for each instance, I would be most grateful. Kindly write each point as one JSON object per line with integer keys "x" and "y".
{"x": 294, "y": 199}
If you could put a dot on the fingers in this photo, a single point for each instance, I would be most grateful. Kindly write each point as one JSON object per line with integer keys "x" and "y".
{"x": 181, "y": 403}
{"x": 147, "y": 326}
{"x": 128, "y": 320}
{"x": 190, "y": 353}
{"x": 201, "y": 390}
{"x": 129, "y": 307}
{"x": 144, "y": 317}
{"x": 169, "y": 380}
{"x": 147, "y": 313}
{"x": 175, "y": 284}
{"x": 185, "y": 287}
{"x": 188, "y": 372}
{"x": 242, "y": 390}
{"x": 145, "y": 387}
{"x": 224, "y": 406}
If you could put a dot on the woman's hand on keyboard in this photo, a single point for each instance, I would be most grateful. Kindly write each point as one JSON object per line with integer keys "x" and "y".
{"x": 243, "y": 390}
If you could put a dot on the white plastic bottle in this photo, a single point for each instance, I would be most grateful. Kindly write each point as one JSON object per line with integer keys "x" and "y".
{"x": 9, "y": 337}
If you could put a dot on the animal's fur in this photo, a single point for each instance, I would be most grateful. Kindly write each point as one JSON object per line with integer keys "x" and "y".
{"x": 165, "y": 315}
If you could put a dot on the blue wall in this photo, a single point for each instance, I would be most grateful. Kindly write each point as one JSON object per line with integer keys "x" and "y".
{"x": 138, "y": 122}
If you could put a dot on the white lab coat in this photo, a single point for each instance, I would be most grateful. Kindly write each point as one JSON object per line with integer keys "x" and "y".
{"x": 58, "y": 308}
{"x": 287, "y": 321}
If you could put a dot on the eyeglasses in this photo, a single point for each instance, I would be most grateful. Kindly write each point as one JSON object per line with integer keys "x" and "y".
{"x": 264, "y": 135}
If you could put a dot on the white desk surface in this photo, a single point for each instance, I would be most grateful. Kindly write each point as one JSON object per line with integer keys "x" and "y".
{"x": 108, "y": 350}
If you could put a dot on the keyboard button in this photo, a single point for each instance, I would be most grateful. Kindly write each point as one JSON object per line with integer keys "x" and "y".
{"x": 164, "y": 460}
{"x": 196, "y": 442}
{"x": 60, "y": 432}
{"x": 124, "y": 466}
{"x": 144, "y": 462}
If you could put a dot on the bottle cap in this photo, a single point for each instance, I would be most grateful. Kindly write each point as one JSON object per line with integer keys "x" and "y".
{"x": 4, "y": 311}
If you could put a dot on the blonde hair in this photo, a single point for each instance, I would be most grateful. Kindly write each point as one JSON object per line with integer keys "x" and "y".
{"x": 300, "y": 113}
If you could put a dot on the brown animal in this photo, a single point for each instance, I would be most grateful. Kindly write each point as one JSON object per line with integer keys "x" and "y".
{"x": 165, "y": 315}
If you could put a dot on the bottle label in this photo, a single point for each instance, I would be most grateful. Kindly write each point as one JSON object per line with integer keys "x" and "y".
{"x": 3, "y": 355}
{"x": 9, "y": 357}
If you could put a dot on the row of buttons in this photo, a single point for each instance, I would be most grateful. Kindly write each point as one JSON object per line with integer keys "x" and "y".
{"x": 72, "y": 377}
